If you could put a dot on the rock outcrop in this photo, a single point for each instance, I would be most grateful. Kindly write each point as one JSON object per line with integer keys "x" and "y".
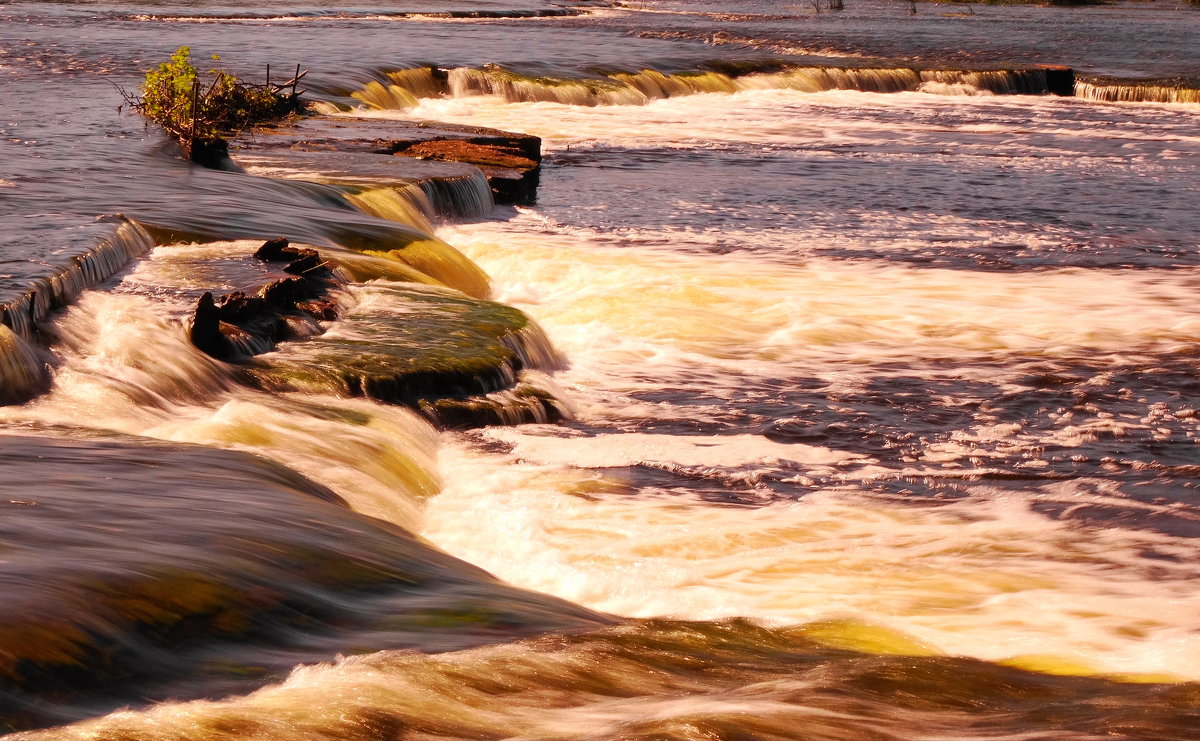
{"x": 238, "y": 326}
{"x": 510, "y": 161}
{"x": 457, "y": 359}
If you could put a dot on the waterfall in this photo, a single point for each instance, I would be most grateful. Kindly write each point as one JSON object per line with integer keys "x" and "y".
{"x": 817, "y": 79}
{"x": 494, "y": 80}
{"x": 385, "y": 97}
{"x": 403, "y": 89}
{"x": 1000, "y": 82}
{"x": 1132, "y": 93}
{"x": 124, "y": 241}
{"x": 463, "y": 198}
{"x": 405, "y": 204}
{"x": 22, "y": 372}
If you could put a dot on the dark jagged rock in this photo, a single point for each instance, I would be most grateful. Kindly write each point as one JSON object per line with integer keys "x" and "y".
{"x": 274, "y": 250}
{"x": 205, "y": 331}
{"x": 301, "y": 260}
{"x": 238, "y": 326}
{"x": 323, "y": 309}
{"x": 306, "y": 262}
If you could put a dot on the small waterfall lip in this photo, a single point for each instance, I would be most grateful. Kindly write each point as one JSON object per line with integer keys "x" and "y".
{"x": 410, "y": 204}
{"x": 403, "y": 89}
{"x": 533, "y": 399}
{"x": 1113, "y": 90}
{"x": 111, "y": 254}
{"x": 463, "y": 198}
{"x": 23, "y": 372}
{"x": 533, "y": 348}
{"x": 344, "y": 15}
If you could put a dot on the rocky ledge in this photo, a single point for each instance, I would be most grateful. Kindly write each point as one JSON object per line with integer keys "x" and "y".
{"x": 509, "y": 161}
{"x": 460, "y": 361}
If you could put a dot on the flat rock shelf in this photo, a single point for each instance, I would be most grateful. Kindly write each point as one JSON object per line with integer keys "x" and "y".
{"x": 509, "y": 161}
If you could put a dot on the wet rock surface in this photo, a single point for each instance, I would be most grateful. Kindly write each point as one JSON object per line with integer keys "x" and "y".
{"x": 525, "y": 403}
{"x": 195, "y": 572}
{"x": 510, "y": 169}
{"x": 456, "y": 359}
{"x": 412, "y": 345}
{"x": 509, "y": 160}
{"x": 237, "y": 325}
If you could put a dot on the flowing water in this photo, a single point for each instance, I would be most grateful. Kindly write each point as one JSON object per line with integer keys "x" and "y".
{"x": 878, "y": 376}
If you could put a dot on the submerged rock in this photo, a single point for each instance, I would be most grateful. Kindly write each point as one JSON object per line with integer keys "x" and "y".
{"x": 138, "y": 570}
{"x": 453, "y": 357}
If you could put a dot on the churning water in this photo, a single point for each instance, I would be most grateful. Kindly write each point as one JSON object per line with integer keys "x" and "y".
{"x": 880, "y": 387}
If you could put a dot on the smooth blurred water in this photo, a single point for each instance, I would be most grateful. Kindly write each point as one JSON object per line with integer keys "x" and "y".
{"x": 880, "y": 401}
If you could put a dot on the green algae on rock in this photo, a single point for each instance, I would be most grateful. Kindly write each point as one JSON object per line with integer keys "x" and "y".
{"x": 527, "y": 402}
{"x": 409, "y": 343}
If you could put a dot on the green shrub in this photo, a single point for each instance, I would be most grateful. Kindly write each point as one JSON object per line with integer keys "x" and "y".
{"x": 200, "y": 109}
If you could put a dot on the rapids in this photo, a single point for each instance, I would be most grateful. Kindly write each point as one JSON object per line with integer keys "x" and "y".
{"x": 873, "y": 366}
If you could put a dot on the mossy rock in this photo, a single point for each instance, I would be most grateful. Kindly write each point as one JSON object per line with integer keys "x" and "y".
{"x": 526, "y": 403}
{"x": 408, "y": 344}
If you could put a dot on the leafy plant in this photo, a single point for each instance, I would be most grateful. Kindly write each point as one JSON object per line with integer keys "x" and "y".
{"x": 199, "y": 109}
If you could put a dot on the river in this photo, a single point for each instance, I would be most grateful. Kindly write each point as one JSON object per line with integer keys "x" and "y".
{"x": 877, "y": 365}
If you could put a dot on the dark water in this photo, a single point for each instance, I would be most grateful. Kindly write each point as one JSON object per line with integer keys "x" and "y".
{"x": 882, "y": 405}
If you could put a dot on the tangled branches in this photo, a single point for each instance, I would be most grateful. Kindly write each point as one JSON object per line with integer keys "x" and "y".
{"x": 199, "y": 110}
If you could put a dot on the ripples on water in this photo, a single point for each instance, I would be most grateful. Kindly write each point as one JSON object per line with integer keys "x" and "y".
{"x": 880, "y": 401}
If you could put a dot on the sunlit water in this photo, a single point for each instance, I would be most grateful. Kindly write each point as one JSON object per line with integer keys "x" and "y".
{"x": 953, "y": 416}
{"x": 878, "y": 400}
